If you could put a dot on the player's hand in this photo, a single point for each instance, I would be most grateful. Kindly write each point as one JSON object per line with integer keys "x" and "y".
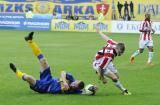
{"x": 100, "y": 77}
{"x": 97, "y": 30}
{"x": 101, "y": 74}
{"x": 66, "y": 86}
{"x": 153, "y": 31}
{"x": 104, "y": 80}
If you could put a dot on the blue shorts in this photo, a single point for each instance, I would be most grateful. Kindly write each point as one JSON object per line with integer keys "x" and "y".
{"x": 45, "y": 81}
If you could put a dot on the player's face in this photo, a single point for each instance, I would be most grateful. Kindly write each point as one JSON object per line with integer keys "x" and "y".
{"x": 120, "y": 48}
{"x": 74, "y": 85}
{"x": 119, "y": 51}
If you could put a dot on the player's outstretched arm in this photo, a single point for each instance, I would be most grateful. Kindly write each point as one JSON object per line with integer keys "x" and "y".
{"x": 101, "y": 76}
{"x": 104, "y": 36}
{"x": 153, "y": 31}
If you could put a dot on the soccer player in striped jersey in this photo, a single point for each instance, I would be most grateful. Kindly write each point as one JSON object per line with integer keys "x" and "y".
{"x": 145, "y": 39}
{"x": 103, "y": 65}
{"x": 67, "y": 84}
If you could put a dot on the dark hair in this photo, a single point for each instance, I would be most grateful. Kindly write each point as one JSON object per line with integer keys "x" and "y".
{"x": 121, "y": 46}
{"x": 81, "y": 85}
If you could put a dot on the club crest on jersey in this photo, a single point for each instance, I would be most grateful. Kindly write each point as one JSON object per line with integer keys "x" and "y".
{"x": 102, "y": 7}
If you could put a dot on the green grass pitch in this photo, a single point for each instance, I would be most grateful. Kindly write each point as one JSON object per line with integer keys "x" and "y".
{"x": 74, "y": 52}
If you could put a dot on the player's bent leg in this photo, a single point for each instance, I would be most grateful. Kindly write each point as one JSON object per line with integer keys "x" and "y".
{"x": 150, "y": 48}
{"x": 43, "y": 64}
{"x": 19, "y": 73}
{"x": 117, "y": 83}
{"x": 31, "y": 80}
{"x": 142, "y": 45}
{"x": 115, "y": 80}
{"x": 141, "y": 50}
{"x": 136, "y": 53}
{"x": 117, "y": 75}
{"x": 37, "y": 51}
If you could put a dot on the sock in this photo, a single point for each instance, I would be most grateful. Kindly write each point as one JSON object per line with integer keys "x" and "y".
{"x": 119, "y": 85}
{"x": 150, "y": 56}
{"x": 36, "y": 50}
{"x": 19, "y": 73}
{"x": 135, "y": 53}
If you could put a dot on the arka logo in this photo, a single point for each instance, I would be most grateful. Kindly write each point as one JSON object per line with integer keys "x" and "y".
{"x": 102, "y": 8}
{"x": 42, "y": 7}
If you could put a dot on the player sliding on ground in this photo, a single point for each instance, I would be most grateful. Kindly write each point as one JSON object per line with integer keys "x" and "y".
{"x": 47, "y": 84}
{"x": 145, "y": 39}
{"x": 103, "y": 62}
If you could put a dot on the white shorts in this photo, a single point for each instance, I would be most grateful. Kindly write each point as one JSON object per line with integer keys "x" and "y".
{"x": 145, "y": 43}
{"x": 109, "y": 67}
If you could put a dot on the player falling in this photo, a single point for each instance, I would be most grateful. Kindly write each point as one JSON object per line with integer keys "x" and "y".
{"x": 66, "y": 84}
{"x": 145, "y": 39}
{"x": 103, "y": 65}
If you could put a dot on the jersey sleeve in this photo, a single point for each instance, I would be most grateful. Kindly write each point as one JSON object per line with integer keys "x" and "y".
{"x": 111, "y": 42}
{"x": 70, "y": 77}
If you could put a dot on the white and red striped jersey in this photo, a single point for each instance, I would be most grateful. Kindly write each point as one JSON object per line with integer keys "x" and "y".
{"x": 107, "y": 51}
{"x": 111, "y": 43}
{"x": 145, "y": 35}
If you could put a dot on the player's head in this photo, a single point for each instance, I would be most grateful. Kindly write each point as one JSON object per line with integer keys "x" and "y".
{"x": 147, "y": 16}
{"x": 77, "y": 85}
{"x": 120, "y": 48}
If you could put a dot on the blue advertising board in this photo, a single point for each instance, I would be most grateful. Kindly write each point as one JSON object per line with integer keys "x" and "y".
{"x": 25, "y": 24}
{"x": 11, "y": 23}
{"x": 37, "y": 24}
{"x": 12, "y": 16}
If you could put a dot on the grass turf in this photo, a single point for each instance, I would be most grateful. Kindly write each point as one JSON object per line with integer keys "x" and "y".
{"x": 74, "y": 52}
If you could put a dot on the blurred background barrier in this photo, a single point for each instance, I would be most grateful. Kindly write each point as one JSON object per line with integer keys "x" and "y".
{"x": 130, "y": 26}
{"x": 25, "y": 24}
{"x": 78, "y": 15}
{"x": 80, "y": 25}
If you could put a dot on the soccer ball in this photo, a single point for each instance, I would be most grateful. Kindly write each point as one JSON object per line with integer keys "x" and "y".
{"x": 90, "y": 89}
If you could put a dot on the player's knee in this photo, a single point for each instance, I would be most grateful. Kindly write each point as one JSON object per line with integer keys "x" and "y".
{"x": 115, "y": 79}
{"x": 151, "y": 49}
{"x": 44, "y": 63}
{"x": 31, "y": 80}
{"x": 27, "y": 77}
{"x": 140, "y": 51}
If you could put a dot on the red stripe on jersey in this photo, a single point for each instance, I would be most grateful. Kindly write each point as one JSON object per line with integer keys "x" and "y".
{"x": 144, "y": 36}
{"x": 106, "y": 55}
{"x": 149, "y": 35}
{"x": 142, "y": 29}
{"x": 109, "y": 55}
{"x": 104, "y": 63}
{"x": 143, "y": 25}
{"x": 99, "y": 56}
